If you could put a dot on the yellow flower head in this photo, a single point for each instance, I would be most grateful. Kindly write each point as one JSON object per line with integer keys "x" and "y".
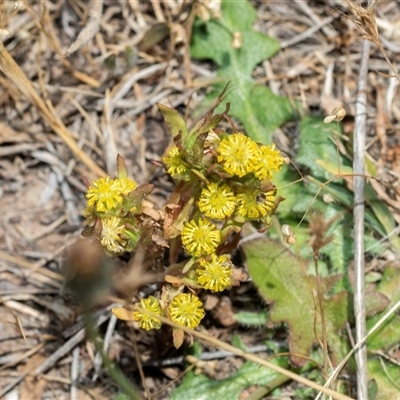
{"x": 215, "y": 274}
{"x": 111, "y": 233}
{"x": 175, "y": 163}
{"x": 186, "y": 309}
{"x": 146, "y": 321}
{"x": 105, "y": 194}
{"x": 217, "y": 201}
{"x": 254, "y": 204}
{"x": 238, "y": 154}
{"x": 269, "y": 160}
{"x": 201, "y": 237}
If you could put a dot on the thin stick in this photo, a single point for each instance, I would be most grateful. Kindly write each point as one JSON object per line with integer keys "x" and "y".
{"x": 306, "y": 34}
{"x": 98, "y": 361}
{"x": 358, "y": 166}
{"x": 74, "y": 374}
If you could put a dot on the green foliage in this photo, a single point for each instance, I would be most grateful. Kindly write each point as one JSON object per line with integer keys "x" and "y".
{"x": 317, "y": 145}
{"x": 388, "y": 334}
{"x": 259, "y": 110}
{"x": 386, "y": 377}
{"x": 318, "y": 152}
{"x": 251, "y": 318}
{"x": 278, "y": 275}
{"x": 317, "y": 142}
{"x": 199, "y": 387}
{"x": 121, "y": 396}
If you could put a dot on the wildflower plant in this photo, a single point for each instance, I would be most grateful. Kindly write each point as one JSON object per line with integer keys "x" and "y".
{"x": 223, "y": 180}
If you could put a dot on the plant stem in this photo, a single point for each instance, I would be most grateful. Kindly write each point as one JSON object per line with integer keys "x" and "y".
{"x": 358, "y": 166}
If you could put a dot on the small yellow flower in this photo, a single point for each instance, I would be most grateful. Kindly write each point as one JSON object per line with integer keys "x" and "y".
{"x": 217, "y": 201}
{"x": 111, "y": 233}
{"x": 125, "y": 185}
{"x": 215, "y": 274}
{"x": 105, "y": 194}
{"x": 175, "y": 164}
{"x": 200, "y": 238}
{"x": 269, "y": 160}
{"x": 238, "y": 154}
{"x": 146, "y": 321}
{"x": 254, "y": 204}
{"x": 186, "y": 309}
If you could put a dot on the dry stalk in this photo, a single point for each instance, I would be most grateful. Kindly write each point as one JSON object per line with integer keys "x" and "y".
{"x": 365, "y": 22}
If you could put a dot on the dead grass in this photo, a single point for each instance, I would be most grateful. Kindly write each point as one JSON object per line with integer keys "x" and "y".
{"x": 79, "y": 85}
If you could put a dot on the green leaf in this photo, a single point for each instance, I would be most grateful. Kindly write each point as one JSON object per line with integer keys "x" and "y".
{"x": 213, "y": 39}
{"x": 386, "y": 377}
{"x": 381, "y": 220}
{"x": 278, "y": 275}
{"x": 383, "y": 214}
{"x": 317, "y": 144}
{"x": 388, "y": 334}
{"x": 174, "y": 120}
{"x": 259, "y": 110}
{"x": 318, "y": 152}
{"x": 199, "y": 387}
{"x": 251, "y": 318}
{"x": 153, "y": 36}
{"x": 341, "y": 249}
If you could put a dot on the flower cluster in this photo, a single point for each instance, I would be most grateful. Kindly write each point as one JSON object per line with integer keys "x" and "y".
{"x": 235, "y": 187}
{"x": 223, "y": 181}
{"x": 228, "y": 177}
{"x": 231, "y": 185}
{"x": 112, "y": 212}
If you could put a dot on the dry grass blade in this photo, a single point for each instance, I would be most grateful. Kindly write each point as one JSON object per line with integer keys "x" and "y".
{"x": 24, "y": 356}
{"x": 14, "y": 73}
{"x": 95, "y": 10}
{"x": 25, "y": 264}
